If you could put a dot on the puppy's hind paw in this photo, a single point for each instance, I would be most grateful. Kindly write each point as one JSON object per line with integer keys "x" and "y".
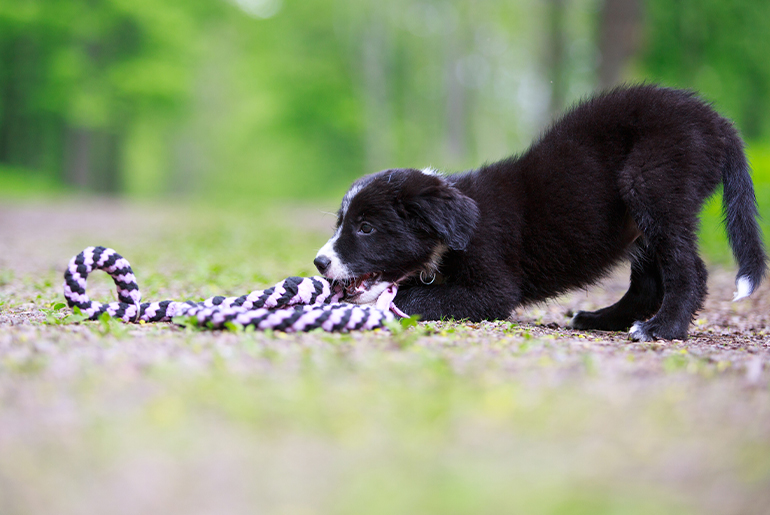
{"x": 638, "y": 333}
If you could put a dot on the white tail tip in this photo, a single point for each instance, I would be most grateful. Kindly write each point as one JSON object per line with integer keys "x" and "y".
{"x": 744, "y": 288}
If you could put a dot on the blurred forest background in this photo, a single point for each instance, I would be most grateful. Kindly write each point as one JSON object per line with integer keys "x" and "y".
{"x": 241, "y": 100}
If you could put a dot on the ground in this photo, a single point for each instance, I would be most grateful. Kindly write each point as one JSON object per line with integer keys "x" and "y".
{"x": 521, "y": 416}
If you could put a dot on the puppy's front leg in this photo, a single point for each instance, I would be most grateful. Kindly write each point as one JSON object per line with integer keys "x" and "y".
{"x": 453, "y": 300}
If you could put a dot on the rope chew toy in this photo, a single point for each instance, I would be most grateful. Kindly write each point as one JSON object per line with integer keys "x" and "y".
{"x": 295, "y": 304}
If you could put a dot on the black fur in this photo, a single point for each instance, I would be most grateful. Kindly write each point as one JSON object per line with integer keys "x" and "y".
{"x": 623, "y": 175}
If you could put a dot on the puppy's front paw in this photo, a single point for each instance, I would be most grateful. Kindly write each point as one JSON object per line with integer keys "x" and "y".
{"x": 579, "y": 321}
{"x": 639, "y": 333}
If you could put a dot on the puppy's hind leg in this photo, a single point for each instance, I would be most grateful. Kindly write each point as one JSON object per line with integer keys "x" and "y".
{"x": 668, "y": 225}
{"x": 684, "y": 290}
{"x": 641, "y": 301}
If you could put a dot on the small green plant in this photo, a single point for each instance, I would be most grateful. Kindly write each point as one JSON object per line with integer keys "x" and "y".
{"x": 406, "y": 331}
{"x": 510, "y": 327}
{"x": 239, "y": 328}
{"x": 108, "y": 325}
{"x": 56, "y": 316}
{"x": 187, "y": 321}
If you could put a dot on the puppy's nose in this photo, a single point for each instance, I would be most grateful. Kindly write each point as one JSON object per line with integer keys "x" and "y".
{"x": 322, "y": 263}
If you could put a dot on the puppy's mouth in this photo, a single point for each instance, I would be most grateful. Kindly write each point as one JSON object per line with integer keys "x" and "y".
{"x": 357, "y": 286}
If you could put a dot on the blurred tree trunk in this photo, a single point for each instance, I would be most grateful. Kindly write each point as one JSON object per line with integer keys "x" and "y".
{"x": 106, "y": 162}
{"x": 92, "y": 159}
{"x": 38, "y": 139}
{"x": 378, "y": 101}
{"x": 21, "y": 127}
{"x": 456, "y": 98}
{"x": 619, "y": 38}
{"x": 77, "y": 157}
{"x": 555, "y": 59}
{"x": 8, "y": 105}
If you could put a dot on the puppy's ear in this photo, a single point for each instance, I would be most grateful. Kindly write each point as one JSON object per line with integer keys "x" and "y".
{"x": 439, "y": 208}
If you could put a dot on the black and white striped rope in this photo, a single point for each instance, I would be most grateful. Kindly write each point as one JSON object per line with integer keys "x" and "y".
{"x": 293, "y": 305}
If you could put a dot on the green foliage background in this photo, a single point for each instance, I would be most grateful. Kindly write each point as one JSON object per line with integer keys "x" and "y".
{"x": 242, "y": 101}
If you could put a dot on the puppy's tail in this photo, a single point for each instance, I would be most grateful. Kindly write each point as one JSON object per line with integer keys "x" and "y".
{"x": 740, "y": 216}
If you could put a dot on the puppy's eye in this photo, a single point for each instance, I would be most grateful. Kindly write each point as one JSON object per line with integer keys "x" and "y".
{"x": 366, "y": 228}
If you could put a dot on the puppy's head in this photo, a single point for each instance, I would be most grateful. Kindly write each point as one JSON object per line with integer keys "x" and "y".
{"x": 392, "y": 225}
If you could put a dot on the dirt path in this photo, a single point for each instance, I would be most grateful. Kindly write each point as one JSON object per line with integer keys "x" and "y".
{"x": 37, "y": 239}
{"x": 524, "y": 416}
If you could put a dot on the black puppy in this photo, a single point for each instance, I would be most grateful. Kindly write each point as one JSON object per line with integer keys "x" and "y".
{"x": 621, "y": 176}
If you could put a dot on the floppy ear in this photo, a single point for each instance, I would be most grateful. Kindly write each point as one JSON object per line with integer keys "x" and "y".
{"x": 440, "y": 208}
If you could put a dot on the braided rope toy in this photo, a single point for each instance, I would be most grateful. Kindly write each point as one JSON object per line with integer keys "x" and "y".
{"x": 293, "y": 305}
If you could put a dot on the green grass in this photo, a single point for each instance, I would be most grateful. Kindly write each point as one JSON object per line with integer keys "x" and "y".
{"x": 438, "y": 418}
